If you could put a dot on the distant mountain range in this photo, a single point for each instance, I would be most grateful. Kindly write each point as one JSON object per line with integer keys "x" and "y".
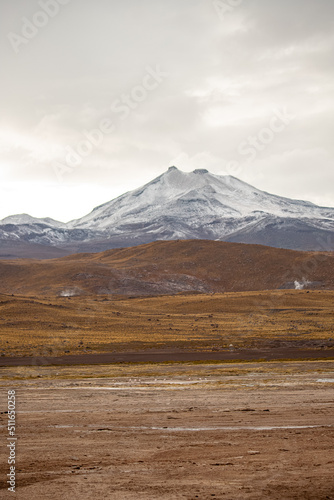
{"x": 176, "y": 206}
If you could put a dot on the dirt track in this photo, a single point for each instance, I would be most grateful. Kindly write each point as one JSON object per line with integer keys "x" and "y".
{"x": 156, "y": 356}
{"x": 242, "y": 431}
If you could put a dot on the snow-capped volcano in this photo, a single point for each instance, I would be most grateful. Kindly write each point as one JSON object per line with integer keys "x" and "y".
{"x": 184, "y": 205}
{"x": 194, "y": 196}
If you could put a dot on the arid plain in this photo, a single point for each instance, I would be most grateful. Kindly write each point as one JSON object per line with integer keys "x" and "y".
{"x": 223, "y": 394}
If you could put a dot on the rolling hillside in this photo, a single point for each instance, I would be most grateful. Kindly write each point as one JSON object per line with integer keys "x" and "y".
{"x": 170, "y": 267}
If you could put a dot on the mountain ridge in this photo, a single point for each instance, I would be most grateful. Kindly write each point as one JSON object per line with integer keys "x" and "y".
{"x": 183, "y": 205}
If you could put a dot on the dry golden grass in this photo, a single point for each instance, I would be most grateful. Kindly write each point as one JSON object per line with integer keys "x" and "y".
{"x": 36, "y": 326}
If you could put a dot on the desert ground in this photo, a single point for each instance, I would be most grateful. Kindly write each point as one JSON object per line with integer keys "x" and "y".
{"x": 173, "y": 431}
{"x": 191, "y": 395}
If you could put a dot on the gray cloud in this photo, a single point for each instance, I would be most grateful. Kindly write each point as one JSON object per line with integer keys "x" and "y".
{"x": 225, "y": 77}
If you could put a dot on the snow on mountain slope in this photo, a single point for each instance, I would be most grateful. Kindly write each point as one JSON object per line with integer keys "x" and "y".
{"x": 28, "y": 219}
{"x": 192, "y": 196}
{"x": 184, "y": 205}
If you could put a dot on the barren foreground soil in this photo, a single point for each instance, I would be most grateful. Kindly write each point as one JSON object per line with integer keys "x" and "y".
{"x": 173, "y": 431}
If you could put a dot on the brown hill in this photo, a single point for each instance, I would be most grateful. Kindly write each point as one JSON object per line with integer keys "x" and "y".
{"x": 169, "y": 267}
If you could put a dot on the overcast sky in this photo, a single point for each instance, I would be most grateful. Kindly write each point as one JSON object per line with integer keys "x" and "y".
{"x": 99, "y": 97}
